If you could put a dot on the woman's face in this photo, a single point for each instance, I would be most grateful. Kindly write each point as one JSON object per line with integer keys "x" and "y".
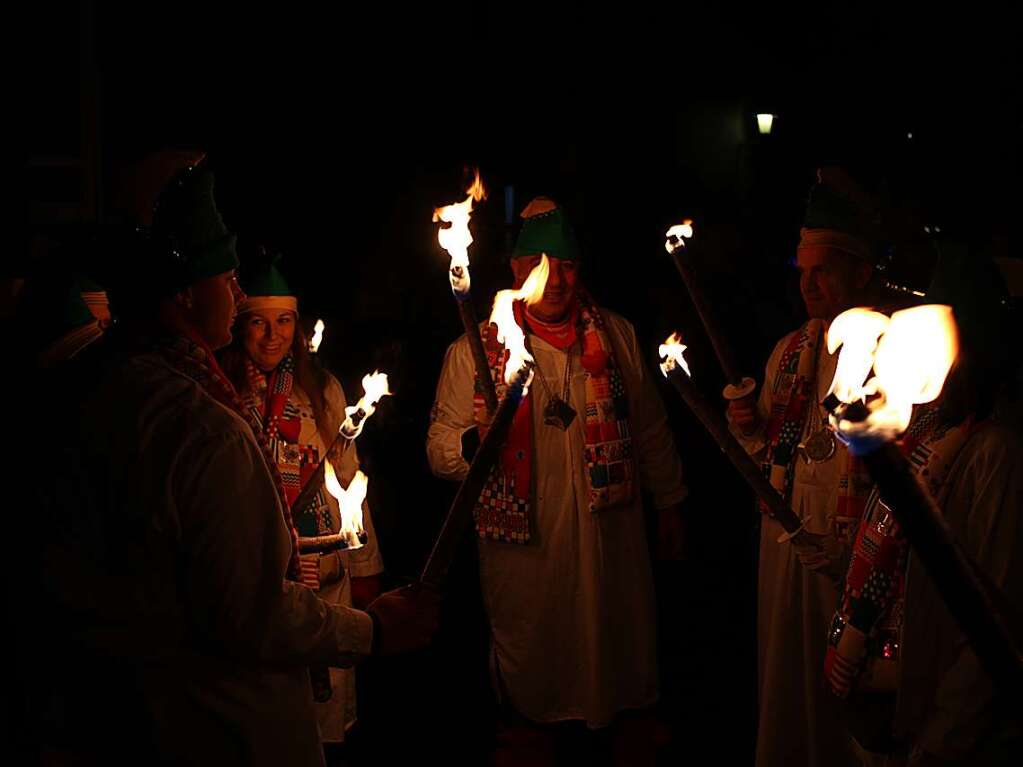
{"x": 267, "y": 335}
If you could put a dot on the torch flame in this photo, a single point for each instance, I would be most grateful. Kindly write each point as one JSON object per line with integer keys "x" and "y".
{"x": 857, "y": 331}
{"x": 503, "y": 315}
{"x": 677, "y": 235}
{"x": 374, "y": 387}
{"x": 916, "y": 350}
{"x": 476, "y": 190}
{"x": 671, "y": 355}
{"x": 317, "y": 339}
{"x": 455, "y": 238}
{"x": 916, "y": 353}
{"x": 349, "y": 501}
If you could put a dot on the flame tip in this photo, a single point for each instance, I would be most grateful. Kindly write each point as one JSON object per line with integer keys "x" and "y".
{"x": 455, "y": 237}
{"x": 477, "y": 190}
{"x": 672, "y": 354}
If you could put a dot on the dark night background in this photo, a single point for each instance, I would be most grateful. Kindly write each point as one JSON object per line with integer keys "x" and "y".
{"x": 334, "y": 132}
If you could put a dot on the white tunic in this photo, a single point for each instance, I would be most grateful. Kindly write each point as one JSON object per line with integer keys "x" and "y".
{"x": 572, "y": 612}
{"x": 947, "y": 704}
{"x": 799, "y": 720}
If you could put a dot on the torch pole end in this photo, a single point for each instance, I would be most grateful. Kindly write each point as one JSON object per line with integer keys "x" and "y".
{"x": 741, "y": 390}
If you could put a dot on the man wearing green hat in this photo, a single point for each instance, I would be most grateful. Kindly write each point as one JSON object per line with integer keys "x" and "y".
{"x": 787, "y": 430}
{"x": 564, "y": 566}
{"x": 171, "y": 563}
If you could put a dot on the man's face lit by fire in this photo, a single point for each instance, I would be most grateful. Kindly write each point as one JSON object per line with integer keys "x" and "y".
{"x": 560, "y": 291}
{"x": 830, "y": 280}
{"x": 267, "y": 335}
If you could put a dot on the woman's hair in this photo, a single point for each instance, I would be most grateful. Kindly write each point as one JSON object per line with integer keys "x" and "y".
{"x": 309, "y": 375}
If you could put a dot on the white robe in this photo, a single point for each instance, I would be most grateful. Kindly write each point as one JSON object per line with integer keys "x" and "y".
{"x": 572, "y": 612}
{"x": 946, "y": 701}
{"x": 170, "y": 557}
{"x": 799, "y": 720}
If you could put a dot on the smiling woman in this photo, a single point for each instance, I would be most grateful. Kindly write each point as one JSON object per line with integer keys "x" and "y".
{"x": 267, "y": 335}
{"x": 299, "y": 407}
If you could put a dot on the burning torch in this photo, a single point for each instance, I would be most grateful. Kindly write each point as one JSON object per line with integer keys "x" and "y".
{"x": 518, "y": 374}
{"x": 456, "y": 239}
{"x": 317, "y": 339}
{"x": 351, "y": 534}
{"x": 374, "y": 388}
{"x": 676, "y": 370}
{"x": 678, "y": 242}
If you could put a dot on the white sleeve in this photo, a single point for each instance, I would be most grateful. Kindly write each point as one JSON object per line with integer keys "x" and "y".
{"x": 452, "y": 413}
{"x": 985, "y": 516}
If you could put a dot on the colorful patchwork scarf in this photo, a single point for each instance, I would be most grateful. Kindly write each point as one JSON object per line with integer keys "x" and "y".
{"x": 794, "y": 392}
{"x": 194, "y": 359}
{"x": 502, "y": 512}
{"x": 270, "y": 402}
{"x": 791, "y": 395}
{"x": 267, "y": 399}
{"x": 863, "y": 640}
{"x": 275, "y": 404}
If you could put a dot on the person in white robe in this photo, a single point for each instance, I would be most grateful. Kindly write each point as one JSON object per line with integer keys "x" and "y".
{"x": 785, "y": 428}
{"x": 567, "y": 586}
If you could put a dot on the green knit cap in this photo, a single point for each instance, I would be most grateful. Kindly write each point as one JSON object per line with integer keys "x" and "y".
{"x": 545, "y": 229}
{"x": 67, "y": 310}
{"x": 186, "y": 217}
{"x": 60, "y": 290}
{"x": 261, "y": 275}
{"x": 264, "y": 285}
{"x": 57, "y": 321}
